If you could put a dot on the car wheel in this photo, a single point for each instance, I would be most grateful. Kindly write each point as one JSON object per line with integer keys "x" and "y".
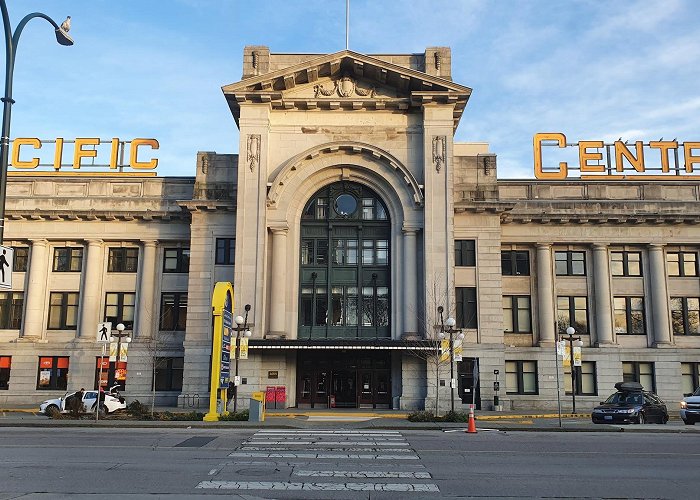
{"x": 664, "y": 419}
{"x": 689, "y": 422}
{"x": 50, "y": 410}
{"x": 641, "y": 419}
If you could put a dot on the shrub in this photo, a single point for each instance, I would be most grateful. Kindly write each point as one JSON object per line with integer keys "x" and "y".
{"x": 455, "y": 416}
{"x": 137, "y": 409}
{"x": 235, "y": 417}
{"x": 421, "y": 416}
{"x": 55, "y": 414}
{"x": 190, "y": 416}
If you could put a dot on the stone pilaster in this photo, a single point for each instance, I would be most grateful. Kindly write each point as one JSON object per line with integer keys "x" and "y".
{"x": 659, "y": 296}
{"x": 278, "y": 288}
{"x": 91, "y": 291}
{"x": 545, "y": 295}
{"x": 410, "y": 287}
{"x": 147, "y": 304}
{"x": 602, "y": 296}
{"x": 33, "y": 325}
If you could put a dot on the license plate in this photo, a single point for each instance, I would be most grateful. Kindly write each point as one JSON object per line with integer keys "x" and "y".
{"x": 607, "y": 417}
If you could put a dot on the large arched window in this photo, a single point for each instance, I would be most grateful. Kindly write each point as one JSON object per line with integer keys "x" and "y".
{"x": 345, "y": 264}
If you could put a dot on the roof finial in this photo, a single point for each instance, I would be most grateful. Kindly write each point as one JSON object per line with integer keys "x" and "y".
{"x": 347, "y": 24}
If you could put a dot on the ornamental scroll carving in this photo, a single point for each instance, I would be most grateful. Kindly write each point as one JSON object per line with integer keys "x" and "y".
{"x": 253, "y": 151}
{"x": 439, "y": 151}
{"x": 345, "y": 87}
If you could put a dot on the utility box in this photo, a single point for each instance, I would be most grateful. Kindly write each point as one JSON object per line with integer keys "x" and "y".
{"x": 256, "y": 412}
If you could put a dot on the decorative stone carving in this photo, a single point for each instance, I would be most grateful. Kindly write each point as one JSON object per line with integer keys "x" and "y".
{"x": 253, "y": 151}
{"x": 439, "y": 151}
{"x": 345, "y": 87}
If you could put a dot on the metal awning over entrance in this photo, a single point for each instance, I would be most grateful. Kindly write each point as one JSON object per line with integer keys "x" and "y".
{"x": 369, "y": 344}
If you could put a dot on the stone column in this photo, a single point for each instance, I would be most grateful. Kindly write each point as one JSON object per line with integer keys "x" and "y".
{"x": 545, "y": 294}
{"x": 659, "y": 296}
{"x": 278, "y": 282}
{"x": 410, "y": 285}
{"x": 91, "y": 291}
{"x": 35, "y": 298}
{"x": 602, "y": 296}
{"x": 147, "y": 301}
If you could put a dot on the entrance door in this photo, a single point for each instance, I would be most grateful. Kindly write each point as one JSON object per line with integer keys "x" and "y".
{"x": 465, "y": 370}
{"x": 344, "y": 388}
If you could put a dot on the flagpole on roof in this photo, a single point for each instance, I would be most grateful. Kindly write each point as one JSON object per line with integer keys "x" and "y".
{"x": 347, "y": 24}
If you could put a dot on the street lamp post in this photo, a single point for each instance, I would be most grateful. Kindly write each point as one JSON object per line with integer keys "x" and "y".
{"x": 450, "y": 331}
{"x": 118, "y": 338}
{"x": 578, "y": 343}
{"x": 11, "y": 40}
{"x": 241, "y": 326}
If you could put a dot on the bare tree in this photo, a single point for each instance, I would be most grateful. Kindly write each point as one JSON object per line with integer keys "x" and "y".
{"x": 156, "y": 346}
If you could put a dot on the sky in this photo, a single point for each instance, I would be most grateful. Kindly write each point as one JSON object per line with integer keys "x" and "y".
{"x": 591, "y": 69}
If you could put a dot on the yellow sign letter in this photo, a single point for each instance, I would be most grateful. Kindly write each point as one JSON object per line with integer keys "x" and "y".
{"x": 563, "y": 167}
{"x": 80, "y": 153}
{"x": 16, "y": 144}
{"x": 133, "y": 158}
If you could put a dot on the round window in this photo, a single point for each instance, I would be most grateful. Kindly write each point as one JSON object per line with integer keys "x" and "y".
{"x": 345, "y": 205}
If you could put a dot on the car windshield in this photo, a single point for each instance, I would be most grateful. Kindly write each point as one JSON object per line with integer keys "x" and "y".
{"x": 697, "y": 392}
{"x": 625, "y": 398}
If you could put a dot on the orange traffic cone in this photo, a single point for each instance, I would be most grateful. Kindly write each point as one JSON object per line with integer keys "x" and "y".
{"x": 471, "y": 428}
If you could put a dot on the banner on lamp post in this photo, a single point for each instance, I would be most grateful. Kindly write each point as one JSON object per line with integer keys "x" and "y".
{"x": 577, "y": 356}
{"x": 566, "y": 357}
{"x": 243, "y": 353}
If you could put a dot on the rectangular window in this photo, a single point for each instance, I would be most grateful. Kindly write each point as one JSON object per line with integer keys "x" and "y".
{"x": 572, "y": 311}
{"x": 635, "y": 371}
{"x": 570, "y": 263}
{"x": 168, "y": 376}
{"x": 176, "y": 260}
{"x": 690, "y": 377}
{"x": 516, "y": 314}
{"x": 685, "y": 315}
{"x": 173, "y": 311}
{"x": 225, "y": 251}
{"x": 682, "y": 264}
{"x": 11, "y": 305}
{"x": 119, "y": 308}
{"x": 629, "y": 315}
{"x": 521, "y": 377}
{"x": 21, "y": 259}
{"x": 465, "y": 253}
{"x": 466, "y": 307}
{"x": 67, "y": 260}
{"x": 63, "y": 310}
{"x": 345, "y": 252}
{"x": 123, "y": 260}
{"x": 585, "y": 379}
{"x": 5, "y": 365}
{"x": 626, "y": 263}
{"x": 515, "y": 263}
{"x": 52, "y": 373}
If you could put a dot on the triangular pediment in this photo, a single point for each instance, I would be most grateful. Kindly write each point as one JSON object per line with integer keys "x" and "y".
{"x": 346, "y": 79}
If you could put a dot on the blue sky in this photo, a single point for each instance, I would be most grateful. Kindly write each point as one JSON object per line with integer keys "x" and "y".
{"x": 590, "y": 69}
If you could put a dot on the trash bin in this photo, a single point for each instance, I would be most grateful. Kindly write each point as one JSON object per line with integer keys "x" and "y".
{"x": 256, "y": 412}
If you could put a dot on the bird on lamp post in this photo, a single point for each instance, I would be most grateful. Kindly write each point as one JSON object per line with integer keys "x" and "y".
{"x": 451, "y": 323}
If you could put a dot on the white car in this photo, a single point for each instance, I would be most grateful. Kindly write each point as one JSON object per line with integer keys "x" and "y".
{"x": 690, "y": 408}
{"x": 111, "y": 403}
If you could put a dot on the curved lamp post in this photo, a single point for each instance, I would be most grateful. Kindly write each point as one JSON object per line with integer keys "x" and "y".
{"x": 241, "y": 329}
{"x": 451, "y": 323}
{"x": 573, "y": 341}
{"x": 11, "y": 40}
{"x": 118, "y": 338}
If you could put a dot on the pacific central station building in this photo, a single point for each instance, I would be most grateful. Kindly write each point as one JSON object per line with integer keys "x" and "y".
{"x": 348, "y": 217}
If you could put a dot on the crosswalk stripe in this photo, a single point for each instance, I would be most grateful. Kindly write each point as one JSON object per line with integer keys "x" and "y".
{"x": 362, "y": 474}
{"x": 327, "y": 448}
{"x": 334, "y": 456}
{"x": 279, "y": 485}
{"x": 260, "y": 442}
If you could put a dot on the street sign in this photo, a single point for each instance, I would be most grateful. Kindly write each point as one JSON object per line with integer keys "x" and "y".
{"x": 104, "y": 332}
{"x": 7, "y": 255}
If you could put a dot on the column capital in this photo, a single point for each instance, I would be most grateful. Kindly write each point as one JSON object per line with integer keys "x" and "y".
{"x": 600, "y": 246}
{"x": 410, "y": 230}
{"x": 94, "y": 242}
{"x": 543, "y": 246}
{"x": 40, "y": 242}
{"x": 279, "y": 229}
{"x": 149, "y": 243}
{"x": 657, "y": 247}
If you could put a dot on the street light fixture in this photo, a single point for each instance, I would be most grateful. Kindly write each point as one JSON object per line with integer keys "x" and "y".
{"x": 11, "y": 40}
{"x": 451, "y": 323}
{"x": 573, "y": 342}
{"x": 117, "y": 337}
{"x": 241, "y": 329}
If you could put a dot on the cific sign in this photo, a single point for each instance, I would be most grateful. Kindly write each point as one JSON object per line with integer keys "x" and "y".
{"x": 82, "y": 153}
{"x": 618, "y": 160}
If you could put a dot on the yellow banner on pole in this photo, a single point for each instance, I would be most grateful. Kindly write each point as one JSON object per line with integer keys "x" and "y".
{"x": 243, "y": 354}
{"x": 444, "y": 350}
{"x": 566, "y": 358}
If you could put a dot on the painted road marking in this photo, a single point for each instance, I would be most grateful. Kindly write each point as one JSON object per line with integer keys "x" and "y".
{"x": 327, "y": 448}
{"x": 362, "y": 474}
{"x": 263, "y": 442}
{"x": 275, "y": 485}
{"x": 324, "y": 456}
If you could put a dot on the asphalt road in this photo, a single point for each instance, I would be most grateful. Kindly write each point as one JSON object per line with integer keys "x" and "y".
{"x": 345, "y": 463}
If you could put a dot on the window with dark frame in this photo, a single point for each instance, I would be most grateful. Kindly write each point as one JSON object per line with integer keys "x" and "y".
{"x": 629, "y": 315}
{"x": 585, "y": 379}
{"x": 123, "y": 260}
{"x": 5, "y": 366}
{"x": 225, "y": 251}
{"x": 168, "y": 373}
{"x": 515, "y": 262}
{"x": 466, "y": 307}
{"x": 465, "y": 253}
{"x": 570, "y": 263}
{"x": 517, "y": 316}
{"x": 685, "y": 315}
{"x": 176, "y": 260}
{"x": 690, "y": 377}
{"x": 682, "y": 264}
{"x": 11, "y": 307}
{"x": 624, "y": 263}
{"x": 173, "y": 311}
{"x": 642, "y": 372}
{"x": 572, "y": 311}
{"x": 63, "y": 310}
{"x": 52, "y": 373}
{"x": 521, "y": 377}
{"x": 68, "y": 260}
{"x": 21, "y": 259}
{"x": 120, "y": 308}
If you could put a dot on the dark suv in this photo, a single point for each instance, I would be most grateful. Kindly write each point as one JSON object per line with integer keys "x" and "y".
{"x": 631, "y": 404}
